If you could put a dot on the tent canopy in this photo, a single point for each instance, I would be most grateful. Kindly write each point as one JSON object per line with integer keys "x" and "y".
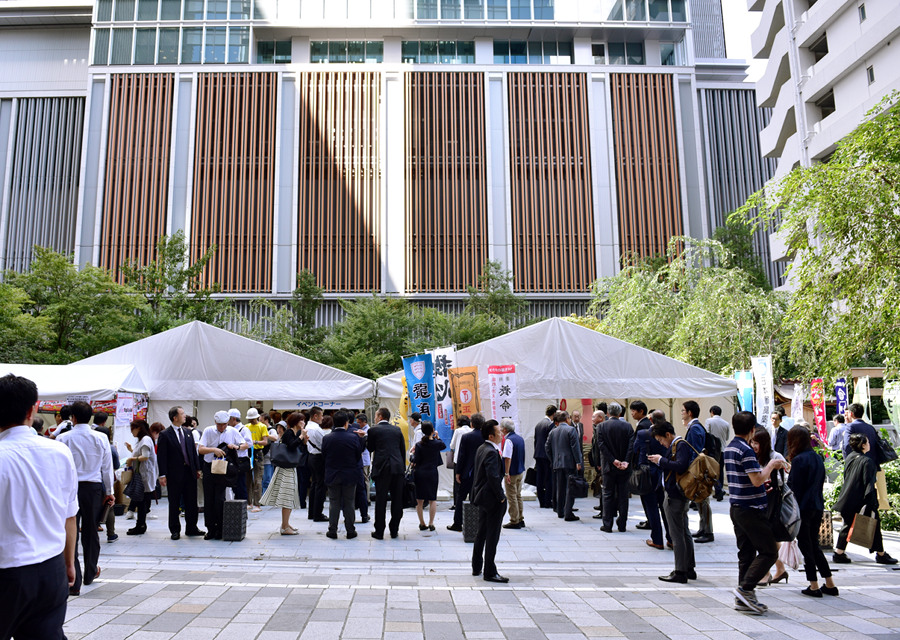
{"x": 557, "y": 359}
{"x": 55, "y": 382}
{"x": 197, "y": 361}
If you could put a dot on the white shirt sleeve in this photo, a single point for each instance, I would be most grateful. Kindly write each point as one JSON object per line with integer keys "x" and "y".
{"x": 507, "y": 448}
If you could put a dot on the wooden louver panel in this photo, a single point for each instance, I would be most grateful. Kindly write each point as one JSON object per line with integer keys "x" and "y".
{"x": 135, "y": 196}
{"x": 550, "y": 182}
{"x": 446, "y": 184}
{"x": 647, "y": 183}
{"x": 339, "y": 195}
{"x": 234, "y": 179}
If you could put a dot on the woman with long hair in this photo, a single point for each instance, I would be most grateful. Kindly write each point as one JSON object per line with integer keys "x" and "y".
{"x": 761, "y": 442}
{"x": 806, "y": 480}
{"x": 143, "y": 456}
{"x": 282, "y": 491}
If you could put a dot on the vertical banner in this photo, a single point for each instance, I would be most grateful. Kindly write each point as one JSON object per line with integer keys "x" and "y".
{"x": 765, "y": 390}
{"x": 444, "y": 420}
{"x": 891, "y": 398}
{"x": 817, "y": 399}
{"x": 504, "y": 394}
{"x": 744, "y": 380}
{"x": 797, "y": 402}
{"x": 419, "y": 371}
{"x": 124, "y": 409}
{"x": 840, "y": 395}
{"x": 861, "y": 396}
{"x": 399, "y": 418}
{"x": 464, "y": 389}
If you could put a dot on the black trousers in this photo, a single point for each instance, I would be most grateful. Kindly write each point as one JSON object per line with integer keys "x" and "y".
{"x": 615, "y": 500}
{"x": 388, "y": 483}
{"x": 462, "y": 492}
{"x": 317, "y": 486}
{"x": 757, "y": 549}
{"x": 342, "y": 497}
{"x": 486, "y": 539}
{"x": 362, "y": 495}
{"x": 213, "y": 501}
{"x": 182, "y": 488}
{"x": 303, "y": 484}
{"x": 654, "y": 513}
{"x": 34, "y": 600}
{"x": 565, "y": 499}
{"x": 808, "y": 543}
{"x": 90, "y": 499}
{"x": 143, "y": 508}
{"x": 543, "y": 476}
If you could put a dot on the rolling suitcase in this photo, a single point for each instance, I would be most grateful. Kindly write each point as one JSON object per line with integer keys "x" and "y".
{"x": 470, "y": 522}
{"x": 234, "y": 520}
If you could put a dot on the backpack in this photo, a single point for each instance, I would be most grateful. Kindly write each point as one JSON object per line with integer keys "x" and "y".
{"x": 699, "y": 481}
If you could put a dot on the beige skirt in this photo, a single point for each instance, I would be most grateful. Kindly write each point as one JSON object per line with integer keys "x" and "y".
{"x": 282, "y": 491}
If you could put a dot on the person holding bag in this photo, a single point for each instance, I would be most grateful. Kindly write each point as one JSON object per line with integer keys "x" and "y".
{"x": 761, "y": 443}
{"x": 283, "y": 489}
{"x": 427, "y": 458}
{"x": 143, "y": 461}
{"x": 858, "y": 492}
{"x": 214, "y": 442}
{"x": 806, "y": 480}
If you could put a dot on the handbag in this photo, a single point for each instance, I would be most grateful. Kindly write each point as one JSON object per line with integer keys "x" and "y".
{"x": 284, "y": 457}
{"x": 641, "y": 481}
{"x": 789, "y": 554}
{"x": 135, "y": 488}
{"x": 219, "y": 466}
{"x": 888, "y": 453}
{"x": 409, "y": 489}
{"x": 578, "y": 486}
{"x": 127, "y": 474}
{"x": 782, "y": 511}
{"x": 448, "y": 460}
{"x": 531, "y": 477}
{"x": 862, "y": 531}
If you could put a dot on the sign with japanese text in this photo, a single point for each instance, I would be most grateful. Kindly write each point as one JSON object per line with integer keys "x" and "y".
{"x": 817, "y": 398}
{"x": 744, "y": 381}
{"x": 444, "y": 421}
{"x": 765, "y": 390}
{"x": 891, "y": 398}
{"x": 797, "y": 402}
{"x": 419, "y": 371}
{"x": 504, "y": 395}
{"x": 861, "y": 396}
{"x": 124, "y": 409}
{"x": 840, "y": 395}
{"x": 464, "y": 389}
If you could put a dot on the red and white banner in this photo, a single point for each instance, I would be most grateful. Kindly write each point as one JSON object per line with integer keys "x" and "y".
{"x": 504, "y": 394}
{"x": 817, "y": 399}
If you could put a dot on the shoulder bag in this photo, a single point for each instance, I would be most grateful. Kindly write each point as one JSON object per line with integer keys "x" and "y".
{"x": 284, "y": 457}
{"x": 640, "y": 483}
{"x": 135, "y": 488}
{"x": 782, "y": 511}
{"x": 409, "y": 489}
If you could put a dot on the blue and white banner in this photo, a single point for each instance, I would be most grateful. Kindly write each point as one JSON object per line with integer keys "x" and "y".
{"x": 744, "y": 380}
{"x": 443, "y": 358}
{"x": 419, "y": 371}
{"x": 765, "y": 390}
{"x": 840, "y": 395}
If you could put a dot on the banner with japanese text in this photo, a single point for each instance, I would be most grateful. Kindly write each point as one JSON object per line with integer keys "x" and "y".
{"x": 504, "y": 394}
{"x": 817, "y": 398}
{"x": 744, "y": 380}
{"x": 399, "y": 419}
{"x": 124, "y": 409}
{"x": 444, "y": 421}
{"x": 419, "y": 371}
{"x": 861, "y": 396}
{"x": 840, "y": 396}
{"x": 464, "y": 389}
{"x": 891, "y": 398}
{"x": 765, "y": 390}
{"x": 797, "y": 402}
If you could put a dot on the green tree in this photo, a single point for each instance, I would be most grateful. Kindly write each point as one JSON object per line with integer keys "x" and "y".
{"x": 305, "y": 302}
{"x": 22, "y": 335}
{"x": 737, "y": 238}
{"x": 173, "y": 288}
{"x": 841, "y": 221}
{"x": 86, "y": 311}
{"x": 494, "y": 296}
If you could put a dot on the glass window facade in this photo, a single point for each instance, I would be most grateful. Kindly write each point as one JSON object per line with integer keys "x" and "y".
{"x": 427, "y": 9}
{"x": 496, "y": 10}
{"x": 671, "y": 54}
{"x": 520, "y": 9}
{"x": 543, "y": 9}
{"x": 121, "y": 46}
{"x": 216, "y": 38}
{"x": 167, "y": 46}
{"x": 124, "y": 10}
{"x": 239, "y": 44}
{"x": 239, "y": 9}
{"x": 101, "y": 46}
{"x": 343, "y": 51}
{"x": 170, "y": 10}
{"x": 193, "y": 9}
{"x": 438, "y": 52}
{"x": 625, "y": 53}
{"x": 104, "y": 10}
{"x": 450, "y": 10}
{"x": 474, "y": 9}
{"x": 144, "y": 46}
{"x": 192, "y": 45}
{"x": 598, "y": 53}
{"x": 148, "y": 9}
{"x": 216, "y": 9}
{"x": 535, "y": 52}
{"x": 643, "y": 10}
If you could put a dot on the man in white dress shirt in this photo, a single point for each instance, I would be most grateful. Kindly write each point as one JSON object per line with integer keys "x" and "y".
{"x": 213, "y": 488}
{"x": 38, "y": 500}
{"x": 93, "y": 462}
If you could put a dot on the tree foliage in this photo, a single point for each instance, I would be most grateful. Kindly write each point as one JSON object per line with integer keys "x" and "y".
{"x": 494, "y": 295}
{"x": 841, "y": 220}
{"x": 22, "y": 335}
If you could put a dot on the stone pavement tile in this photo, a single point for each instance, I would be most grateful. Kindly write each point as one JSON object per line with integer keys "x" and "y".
{"x": 184, "y": 607}
{"x": 521, "y": 622}
{"x": 284, "y": 621}
{"x": 403, "y": 615}
{"x": 403, "y": 635}
{"x": 518, "y": 633}
{"x": 628, "y": 622}
{"x": 849, "y": 635}
{"x": 601, "y": 632}
{"x": 480, "y": 610}
{"x": 363, "y": 629}
{"x": 252, "y": 618}
{"x": 474, "y": 623}
{"x": 172, "y": 622}
{"x": 671, "y": 625}
{"x": 650, "y": 612}
{"x": 329, "y": 615}
{"x": 745, "y": 623}
{"x": 150, "y": 635}
{"x": 890, "y": 623}
{"x": 220, "y": 609}
{"x": 210, "y": 623}
{"x": 112, "y": 632}
{"x": 238, "y": 631}
{"x": 156, "y": 604}
{"x": 139, "y": 619}
{"x": 88, "y": 621}
{"x": 859, "y": 625}
{"x": 391, "y": 625}
{"x": 565, "y": 636}
{"x": 645, "y": 635}
{"x": 701, "y": 621}
{"x": 590, "y": 620}
{"x": 278, "y": 635}
{"x": 196, "y": 633}
{"x": 315, "y": 630}
{"x": 439, "y": 607}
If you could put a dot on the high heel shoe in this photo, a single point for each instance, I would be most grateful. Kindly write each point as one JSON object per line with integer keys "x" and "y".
{"x": 779, "y": 578}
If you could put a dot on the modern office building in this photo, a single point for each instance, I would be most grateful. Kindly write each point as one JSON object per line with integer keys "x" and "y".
{"x": 829, "y": 63}
{"x": 392, "y": 146}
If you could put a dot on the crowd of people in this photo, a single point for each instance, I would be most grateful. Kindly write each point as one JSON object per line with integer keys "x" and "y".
{"x": 297, "y": 459}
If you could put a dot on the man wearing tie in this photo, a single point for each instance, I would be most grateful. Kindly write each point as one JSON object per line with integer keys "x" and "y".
{"x": 179, "y": 468}
{"x": 489, "y": 497}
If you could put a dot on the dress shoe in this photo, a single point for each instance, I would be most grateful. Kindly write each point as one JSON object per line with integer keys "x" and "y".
{"x": 209, "y": 536}
{"x": 112, "y": 538}
{"x": 812, "y": 593}
{"x": 364, "y": 519}
{"x": 679, "y": 578}
{"x": 378, "y": 536}
{"x": 606, "y": 529}
{"x": 520, "y": 525}
{"x": 650, "y": 543}
{"x": 453, "y": 527}
{"x": 781, "y": 576}
{"x": 622, "y": 529}
{"x": 496, "y": 578}
{"x": 320, "y": 519}
{"x": 669, "y": 545}
{"x": 698, "y": 534}
{"x": 643, "y": 525}
{"x": 136, "y": 531}
{"x": 395, "y": 534}
{"x": 331, "y": 534}
{"x": 176, "y": 536}
{"x": 598, "y": 516}
{"x": 74, "y": 592}
{"x": 598, "y": 508}
{"x": 691, "y": 574}
{"x": 572, "y": 518}
{"x": 194, "y": 534}
{"x": 476, "y": 572}
{"x": 574, "y": 508}
{"x": 511, "y": 525}
{"x": 841, "y": 558}
{"x": 88, "y": 580}
{"x": 704, "y": 538}
{"x": 884, "y": 558}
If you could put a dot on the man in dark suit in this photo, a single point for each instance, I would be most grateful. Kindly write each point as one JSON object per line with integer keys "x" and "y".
{"x": 489, "y": 497}
{"x": 564, "y": 452}
{"x": 465, "y": 467}
{"x": 542, "y": 470}
{"x": 616, "y": 441}
{"x": 862, "y": 427}
{"x": 342, "y": 453}
{"x": 179, "y": 468}
{"x": 388, "y": 449}
{"x": 639, "y": 410}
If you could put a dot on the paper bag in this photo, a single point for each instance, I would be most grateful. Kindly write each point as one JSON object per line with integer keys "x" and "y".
{"x": 862, "y": 531}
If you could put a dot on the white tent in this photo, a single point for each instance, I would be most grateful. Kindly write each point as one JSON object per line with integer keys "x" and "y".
{"x": 199, "y": 362}
{"x": 56, "y": 382}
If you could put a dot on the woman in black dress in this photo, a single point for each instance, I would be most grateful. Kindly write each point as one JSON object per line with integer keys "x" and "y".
{"x": 427, "y": 459}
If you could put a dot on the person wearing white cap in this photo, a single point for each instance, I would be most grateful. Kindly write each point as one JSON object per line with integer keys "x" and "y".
{"x": 214, "y": 492}
{"x": 244, "y": 464}
{"x": 260, "y": 437}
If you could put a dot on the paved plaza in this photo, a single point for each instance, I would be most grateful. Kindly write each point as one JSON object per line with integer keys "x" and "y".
{"x": 567, "y": 581}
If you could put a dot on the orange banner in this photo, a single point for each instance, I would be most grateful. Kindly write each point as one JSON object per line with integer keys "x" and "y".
{"x": 464, "y": 387}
